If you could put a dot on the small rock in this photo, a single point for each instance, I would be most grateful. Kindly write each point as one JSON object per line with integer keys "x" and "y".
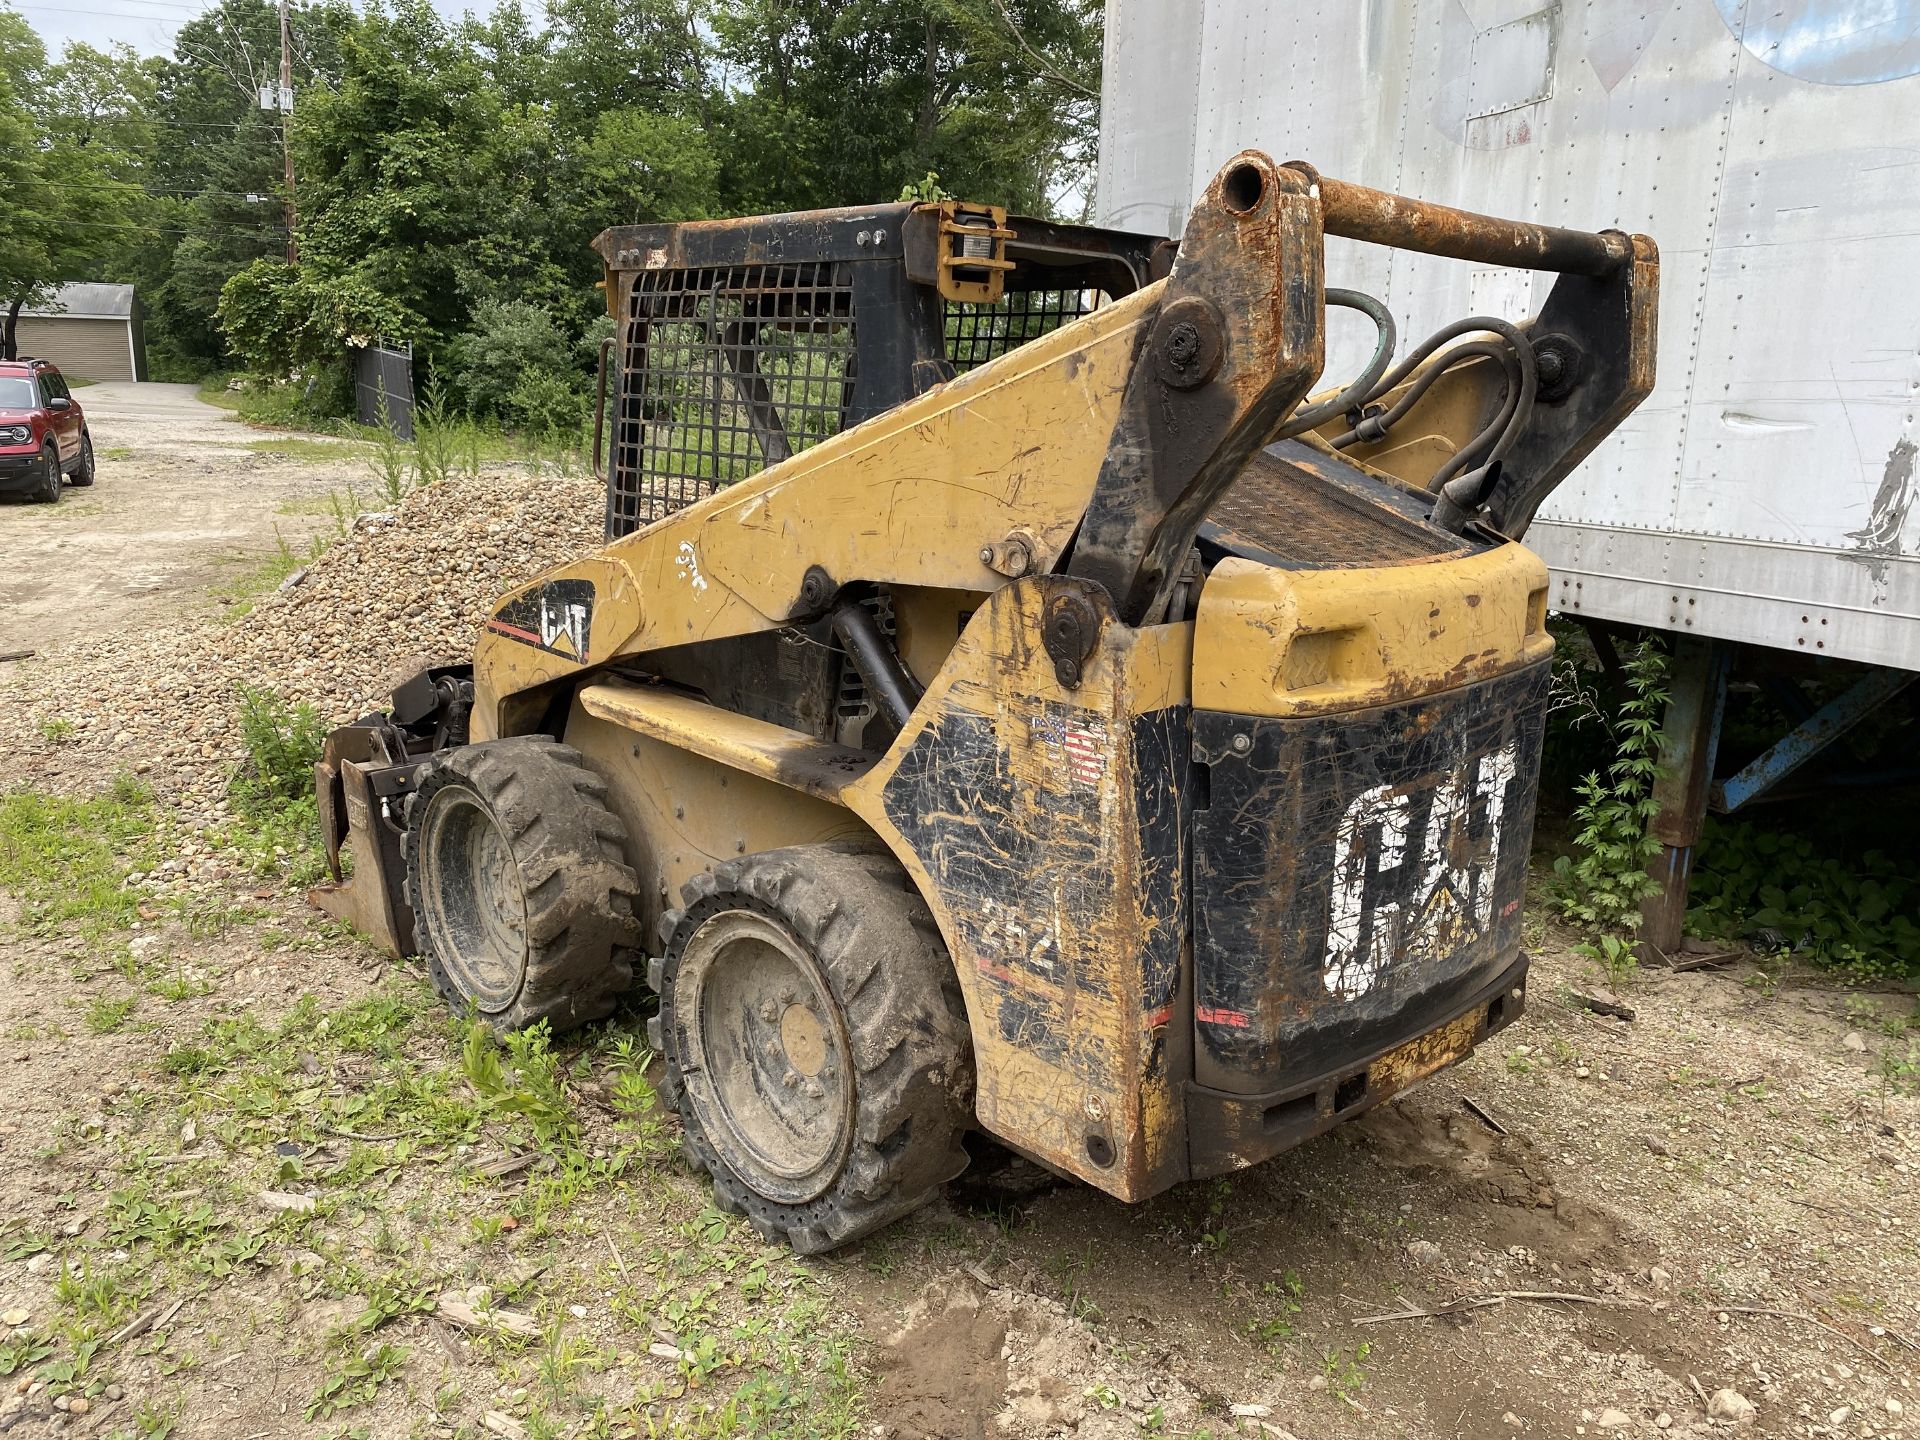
{"x": 1663, "y": 1421}
{"x": 61, "y": 1402}
{"x": 15, "y": 1318}
{"x": 1581, "y": 1072}
{"x": 1854, "y": 1041}
{"x": 1657, "y": 1146}
{"x": 1424, "y": 1252}
{"x": 1251, "y": 1412}
{"x": 1611, "y": 1419}
{"x": 1659, "y": 1278}
{"x": 114, "y": 1392}
{"x": 1512, "y": 1419}
{"x": 579, "y": 1312}
{"x": 1841, "y": 1416}
{"x": 1729, "y": 1404}
{"x": 79, "y": 1405}
{"x": 1894, "y": 1407}
{"x": 285, "y": 1200}
{"x": 1318, "y": 1382}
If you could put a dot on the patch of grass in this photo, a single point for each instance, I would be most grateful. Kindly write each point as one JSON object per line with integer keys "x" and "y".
{"x": 304, "y": 447}
{"x": 66, "y": 859}
{"x": 214, "y": 390}
{"x": 56, "y": 729}
{"x": 108, "y": 1014}
{"x": 262, "y": 577}
{"x": 117, "y": 452}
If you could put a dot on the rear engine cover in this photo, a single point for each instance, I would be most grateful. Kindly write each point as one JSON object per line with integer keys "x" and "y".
{"x": 1356, "y": 877}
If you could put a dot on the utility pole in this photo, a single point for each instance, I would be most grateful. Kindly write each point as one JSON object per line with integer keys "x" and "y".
{"x": 286, "y": 119}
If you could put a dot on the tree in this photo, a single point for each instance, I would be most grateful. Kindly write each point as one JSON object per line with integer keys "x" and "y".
{"x": 66, "y": 205}
{"x": 216, "y": 182}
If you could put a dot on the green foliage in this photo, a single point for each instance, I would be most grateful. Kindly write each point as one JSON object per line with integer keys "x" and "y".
{"x": 283, "y": 741}
{"x": 527, "y": 1085}
{"x": 354, "y": 1379}
{"x": 1600, "y": 886}
{"x": 924, "y": 191}
{"x": 515, "y": 364}
{"x": 1859, "y": 913}
{"x": 281, "y": 318}
{"x": 436, "y": 434}
{"x": 278, "y": 822}
{"x": 392, "y": 462}
{"x": 445, "y": 165}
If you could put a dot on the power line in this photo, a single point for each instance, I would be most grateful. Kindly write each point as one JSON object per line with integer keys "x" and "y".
{"x": 171, "y": 193}
{"x": 109, "y": 15}
{"x": 272, "y": 231}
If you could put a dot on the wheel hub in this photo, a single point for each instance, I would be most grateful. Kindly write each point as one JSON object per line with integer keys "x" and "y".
{"x": 476, "y": 908}
{"x": 765, "y": 1058}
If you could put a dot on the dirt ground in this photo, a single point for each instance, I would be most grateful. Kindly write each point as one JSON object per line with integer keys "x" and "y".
{"x": 253, "y": 1184}
{"x": 180, "y": 502}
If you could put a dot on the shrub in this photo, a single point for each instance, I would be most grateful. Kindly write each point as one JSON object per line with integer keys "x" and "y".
{"x": 1600, "y": 886}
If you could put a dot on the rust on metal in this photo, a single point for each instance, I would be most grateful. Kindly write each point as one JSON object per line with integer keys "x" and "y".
{"x": 1379, "y": 218}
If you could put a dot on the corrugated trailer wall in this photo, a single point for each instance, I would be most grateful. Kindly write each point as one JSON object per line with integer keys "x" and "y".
{"x": 1764, "y": 493}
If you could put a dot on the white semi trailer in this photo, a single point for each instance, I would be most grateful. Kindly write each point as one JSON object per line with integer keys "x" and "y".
{"x": 1763, "y": 496}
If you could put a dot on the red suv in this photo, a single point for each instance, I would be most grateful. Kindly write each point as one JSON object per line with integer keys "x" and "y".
{"x": 43, "y": 433}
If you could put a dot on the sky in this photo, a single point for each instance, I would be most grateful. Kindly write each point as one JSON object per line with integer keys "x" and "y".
{"x": 147, "y": 25}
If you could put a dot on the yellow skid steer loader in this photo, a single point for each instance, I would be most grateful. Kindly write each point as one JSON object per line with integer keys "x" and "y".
{"x": 1005, "y": 700}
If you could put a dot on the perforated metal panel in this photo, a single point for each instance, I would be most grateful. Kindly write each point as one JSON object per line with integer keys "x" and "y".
{"x": 725, "y": 370}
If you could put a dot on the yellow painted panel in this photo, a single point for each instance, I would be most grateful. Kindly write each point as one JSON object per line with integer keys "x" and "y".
{"x": 1309, "y": 642}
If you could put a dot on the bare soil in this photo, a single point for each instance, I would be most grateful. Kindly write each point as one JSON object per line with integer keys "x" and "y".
{"x": 180, "y": 505}
{"x": 1590, "y": 1228}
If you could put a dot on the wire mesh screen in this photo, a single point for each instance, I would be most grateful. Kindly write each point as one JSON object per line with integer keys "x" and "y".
{"x": 979, "y": 333}
{"x": 726, "y": 370}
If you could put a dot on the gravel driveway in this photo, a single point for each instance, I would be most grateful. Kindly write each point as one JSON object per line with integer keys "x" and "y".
{"x": 181, "y": 503}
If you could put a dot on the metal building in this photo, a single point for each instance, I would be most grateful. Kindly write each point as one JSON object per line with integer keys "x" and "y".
{"x": 1763, "y": 496}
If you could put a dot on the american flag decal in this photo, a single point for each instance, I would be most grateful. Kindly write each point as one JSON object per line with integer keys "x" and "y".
{"x": 1077, "y": 740}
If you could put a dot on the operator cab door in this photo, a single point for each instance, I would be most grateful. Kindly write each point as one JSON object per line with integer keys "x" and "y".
{"x": 66, "y": 420}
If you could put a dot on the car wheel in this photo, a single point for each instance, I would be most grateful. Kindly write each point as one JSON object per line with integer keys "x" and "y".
{"x": 49, "y": 491}
{"x": 83, "y": 472}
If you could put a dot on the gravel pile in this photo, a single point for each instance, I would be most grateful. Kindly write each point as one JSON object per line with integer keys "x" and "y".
{"x": 404, "y": 588}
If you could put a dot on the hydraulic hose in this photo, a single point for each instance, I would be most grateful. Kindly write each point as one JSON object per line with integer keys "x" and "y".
{"x": 1355, "y": 394}
{"x": 1375, "y": 427}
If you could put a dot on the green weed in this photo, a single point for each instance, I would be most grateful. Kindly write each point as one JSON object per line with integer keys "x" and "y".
{"x": 1600, "y": 886}
{"x": 355, "y": 1379}
{"x": 107, "y": 1014}
{"x": 1858, "y": 913}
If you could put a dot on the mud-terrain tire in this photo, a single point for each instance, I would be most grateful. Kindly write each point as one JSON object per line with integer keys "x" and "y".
{"x": 83, "y": 469}
{"x": 49, "y": 491}
{"x": 817, "y": 975}
{"x": 521, "y": 893}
